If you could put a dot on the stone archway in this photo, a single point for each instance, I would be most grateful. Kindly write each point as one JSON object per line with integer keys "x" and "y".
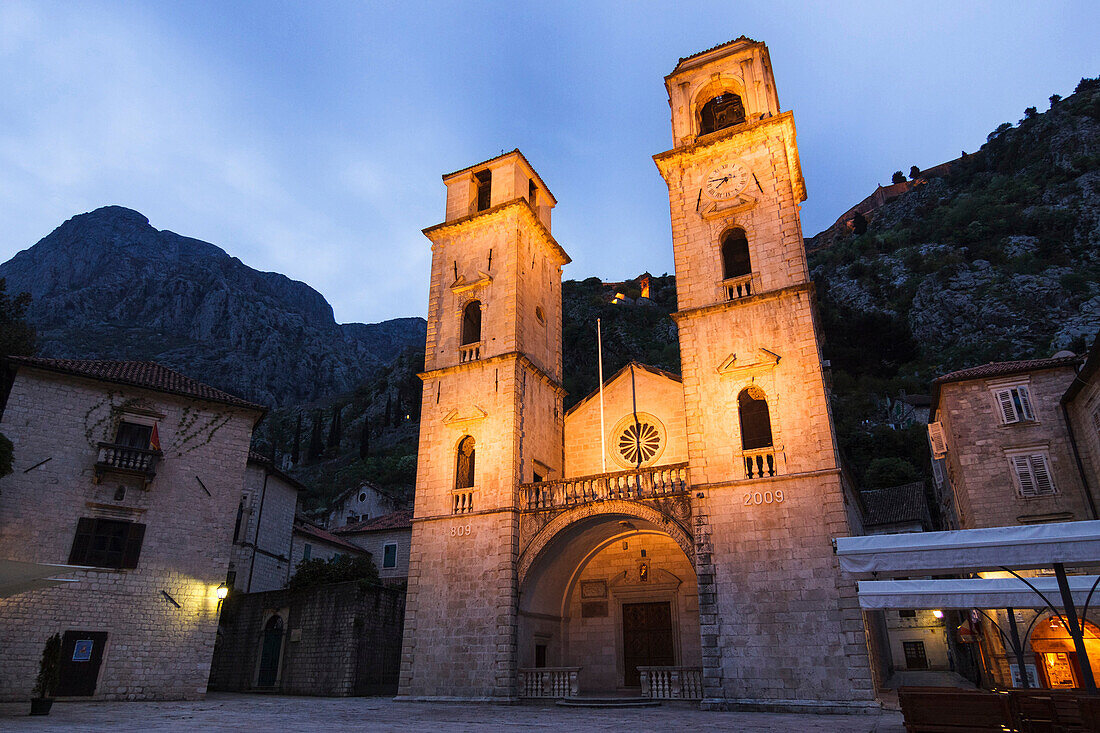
{"x": 661, "y": 520}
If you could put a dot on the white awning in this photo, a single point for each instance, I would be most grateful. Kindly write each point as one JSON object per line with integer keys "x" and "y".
{"x": 878, "y": 595}
{"x": 971, "y": 550}
{"x": 17, "y": 576}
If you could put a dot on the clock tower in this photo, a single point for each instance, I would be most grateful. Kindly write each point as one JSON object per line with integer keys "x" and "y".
{"x": 779, "y": 624}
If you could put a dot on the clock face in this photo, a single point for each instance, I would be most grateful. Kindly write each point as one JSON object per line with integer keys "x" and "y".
{"x": 725, "y": 181}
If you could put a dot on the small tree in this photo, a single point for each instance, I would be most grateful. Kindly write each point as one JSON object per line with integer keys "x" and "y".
{"x": 1055, "y": 99}
{"x": 364, "y": 438}
{"x": 1030, "y": 112}
{"x": 49, "y": 669}
{"x": 898, "y": 177}
{"x": 334, "y": 430}
{"x": 890, "y": 471}
{"x": 914, "y": 172}
{"x": 389, "y": 412}
{"x": 859, "y": 223}
{"x": 338, "y": 569}
{"x": 316, "y": 442}
{"x": 295, "y": 454}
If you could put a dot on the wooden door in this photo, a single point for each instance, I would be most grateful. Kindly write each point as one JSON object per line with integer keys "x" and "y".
{"x": 81, "y": 655}
{"x": 647, "y": 639}
{"x": 271, "y": 650}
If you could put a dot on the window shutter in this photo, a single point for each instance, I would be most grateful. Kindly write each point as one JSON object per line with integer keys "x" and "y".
{"x": 937, "y": 439}
{"x": 1044, "y": 485}
{"x": 85, "y": 529}
{"x": 937, "y": 473}
{"x": 1025, "y": 404}
{"x": 1008, "y": 410}
{"x": 1096, "y": 419}
{"x": 1022, "y": 466}
{"x": 134, "y": 535}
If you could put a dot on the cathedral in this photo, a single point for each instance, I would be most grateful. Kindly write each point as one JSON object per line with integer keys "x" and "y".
{"x": 671, "y": 535}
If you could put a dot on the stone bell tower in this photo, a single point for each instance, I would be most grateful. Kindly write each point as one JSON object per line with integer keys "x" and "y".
{"x": 780, "y": 626}
{"x": 491, "y": 419}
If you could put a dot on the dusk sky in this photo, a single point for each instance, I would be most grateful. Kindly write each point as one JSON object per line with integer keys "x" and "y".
{"x": 309, "y": 138}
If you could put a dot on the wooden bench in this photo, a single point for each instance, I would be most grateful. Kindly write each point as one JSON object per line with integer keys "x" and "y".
{"x": 948, "y": 709}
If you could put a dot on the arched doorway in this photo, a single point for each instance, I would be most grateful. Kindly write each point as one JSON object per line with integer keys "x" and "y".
{"x": 271, "y": 652}
{"x": 1056, "y": 657}
{"x": 608, "y": 594}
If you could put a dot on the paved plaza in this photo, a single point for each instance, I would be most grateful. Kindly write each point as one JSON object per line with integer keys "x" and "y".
{"x": 283, "y": 713}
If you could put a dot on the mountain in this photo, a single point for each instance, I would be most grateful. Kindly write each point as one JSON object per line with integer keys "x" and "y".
{"x": 106, "y": 284}
{"x": 996, "y": 259}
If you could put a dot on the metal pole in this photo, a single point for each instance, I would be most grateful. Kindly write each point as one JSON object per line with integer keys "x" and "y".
{"x": 1074, "y": 627}
{"x": 603, "y": 435}
{"x": 1017, "y": 647}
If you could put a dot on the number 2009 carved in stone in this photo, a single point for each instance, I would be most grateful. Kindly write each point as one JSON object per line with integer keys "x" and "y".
{"x": 764, "y": 497}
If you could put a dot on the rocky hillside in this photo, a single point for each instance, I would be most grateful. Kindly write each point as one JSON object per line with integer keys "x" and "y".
{"x": 108, "y": 285}
{"x": 997, "y": 260}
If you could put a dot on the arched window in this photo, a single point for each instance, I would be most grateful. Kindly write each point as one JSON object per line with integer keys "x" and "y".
{"x": 464, "y": 468}
{"x": 756, "y": 424}
{"x": 471, "y": 323}
{"x": 725, "y": 110}
{"x": 735, "y": 254}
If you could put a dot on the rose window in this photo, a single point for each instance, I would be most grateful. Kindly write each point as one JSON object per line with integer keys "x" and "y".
{"x": 636, "y": 442}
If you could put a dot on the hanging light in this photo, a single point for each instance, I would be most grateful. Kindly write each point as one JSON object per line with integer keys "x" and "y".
{"x": 938, "y": 613}
{"x": 222, "y": 592}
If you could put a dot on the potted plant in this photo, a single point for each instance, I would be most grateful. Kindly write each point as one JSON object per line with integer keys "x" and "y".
{"x": 49, "y": 670}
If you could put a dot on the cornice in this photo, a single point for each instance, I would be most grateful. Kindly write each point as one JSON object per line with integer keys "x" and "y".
{"x": 509, "y": 356}
{"x": 680, "y": 315}
{"x": 522, "y": 207}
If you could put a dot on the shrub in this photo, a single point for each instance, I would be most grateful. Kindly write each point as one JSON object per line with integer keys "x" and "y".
{"x": 338, "y": 569}
{"x": 49, "y": 668}
{"x": 898, "y": 177}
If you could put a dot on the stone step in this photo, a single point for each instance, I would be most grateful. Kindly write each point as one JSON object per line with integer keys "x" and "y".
{"x": 608, "y": 702}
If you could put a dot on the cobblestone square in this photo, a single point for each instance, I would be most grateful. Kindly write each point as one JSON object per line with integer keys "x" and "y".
{"x": 285, "y": 713}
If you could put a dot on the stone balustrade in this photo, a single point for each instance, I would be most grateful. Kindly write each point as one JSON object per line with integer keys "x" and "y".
{"x": 644, "y": 483}
{"x": 469, "y": 352}
{"x": 124, "y": 459}
{"x": 462, "y": 501}
{"x": 762, "y": 462}
{"x": 554, "y": 682}
{"x": 672, "y": 683}
{"x": 738, "y": 287}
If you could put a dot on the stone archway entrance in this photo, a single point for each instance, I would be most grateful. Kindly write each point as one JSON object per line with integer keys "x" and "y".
{"x": 607, "y": 596}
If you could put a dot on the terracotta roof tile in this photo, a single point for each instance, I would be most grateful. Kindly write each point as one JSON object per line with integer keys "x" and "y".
{"x": 1005, "y": 368}
{"x": 740, "y": 39}
{"x": 397, "y": 520}
{"x": 312, "y": 530}
{"x": 894, "y": 505}
{"x": 147, "y": 374}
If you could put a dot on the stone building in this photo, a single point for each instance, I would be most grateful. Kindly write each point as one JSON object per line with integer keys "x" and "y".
{"x": 1015, "y": 443}
{"x": 387, "y": 539}
{"x": 359, "y": 504}
{"x": 682, "y": 544}
{"x": 310, "y": 542}
{"x": 134, "y": 472}
{"x": 263, "y": 530}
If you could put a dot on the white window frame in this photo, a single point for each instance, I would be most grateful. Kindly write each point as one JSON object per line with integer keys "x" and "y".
{"x": 1032, "y": 473}
{"x": 1013, "y": 403}
{"x": 384, "y": 548}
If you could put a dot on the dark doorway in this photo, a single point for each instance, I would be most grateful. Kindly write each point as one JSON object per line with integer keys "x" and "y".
{"x": 915, "y": 657}
{"x": 81, "y": 655}
{"x": 270, "y": 651}
{"x": 647, "y": 639}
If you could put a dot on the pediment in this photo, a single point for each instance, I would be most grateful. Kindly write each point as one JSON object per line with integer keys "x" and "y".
{"x": 462, "y": 284}
{"x": 464, "y": 414}
{"x": 756, "y": 361}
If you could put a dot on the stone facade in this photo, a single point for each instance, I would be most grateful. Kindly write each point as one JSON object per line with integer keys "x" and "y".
{"x": 982, "y": 488}
{"x": 262, "y": 534}
{"x": 359, "y": 504}
{"x": 159, "y": 617}
{"x": 387, "y": 539}
{"x": 310, "y": 542}
{"x": 342, "y": 639}
{"x": 742, "y": 581}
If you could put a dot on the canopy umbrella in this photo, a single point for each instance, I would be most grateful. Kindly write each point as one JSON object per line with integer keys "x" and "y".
{"x": 18, "y": 576}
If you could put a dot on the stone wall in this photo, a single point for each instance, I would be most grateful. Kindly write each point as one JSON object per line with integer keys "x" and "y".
{"x": 261, "y": 555}
{"x": 342, "y": 639}
{"x": 160, "y": 617}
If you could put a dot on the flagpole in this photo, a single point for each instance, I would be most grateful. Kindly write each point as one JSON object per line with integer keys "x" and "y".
{"x": 603, "y": 437}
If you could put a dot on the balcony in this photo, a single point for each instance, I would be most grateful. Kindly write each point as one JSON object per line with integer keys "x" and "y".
{"x": 115, "y": 458}
{"x": 645, "y": 483}
{"x": 469, "y": 352}
{"x": 763, "y": 462}
{"x": 462, "y": 501}
{"x": 738, "y": 287}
